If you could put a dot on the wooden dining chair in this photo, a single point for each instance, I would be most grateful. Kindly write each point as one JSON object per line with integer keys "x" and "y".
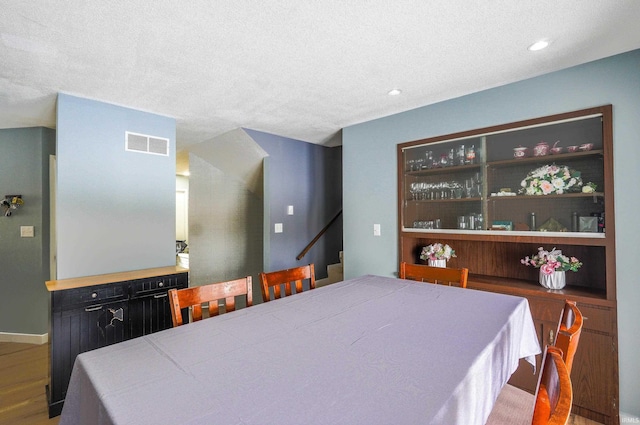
{"x": 284, "y": 278}
{"x": 438, "y": 275}
{"x": 551, "y": 404}
{"x": 568, "y": 332}
{"x": 211, "y": 294}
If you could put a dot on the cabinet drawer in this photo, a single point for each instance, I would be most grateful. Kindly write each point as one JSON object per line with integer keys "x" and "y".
{"x": 546, "y": 309}
{"x": 596, "y": 318}
{"x": 73, "y": 298}
{"x": 143, "y": 287}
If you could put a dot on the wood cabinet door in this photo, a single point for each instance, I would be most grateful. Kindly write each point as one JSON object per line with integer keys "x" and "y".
{"x": 525, "y": 377}
{"x": 593, "y": 377}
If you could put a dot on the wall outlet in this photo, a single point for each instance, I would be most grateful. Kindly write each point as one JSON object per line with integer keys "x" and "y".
{"x": 376, "y": 230}
{"x": 27, "y": 232}
{"x": 290, "y": 210}
{"x": 277, "y": 228}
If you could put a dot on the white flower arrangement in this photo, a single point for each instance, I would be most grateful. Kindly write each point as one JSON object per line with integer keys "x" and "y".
{"x": 437, "y": 251}
{"x": 589, "y": 187}
{"x": 551, "y": 179}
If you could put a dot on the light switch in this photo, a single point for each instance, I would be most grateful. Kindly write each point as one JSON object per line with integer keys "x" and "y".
{"x": 27, "y": 232}
{"x": 290, "y": 210}
{"x": 376, "y": 230}
{"x": 278, "y": 228}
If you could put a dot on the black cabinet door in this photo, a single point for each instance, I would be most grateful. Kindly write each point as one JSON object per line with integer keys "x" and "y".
{"x": 149, "y": 309}
{"x": 149, "y": 314}
{"x": 82, "y": 329}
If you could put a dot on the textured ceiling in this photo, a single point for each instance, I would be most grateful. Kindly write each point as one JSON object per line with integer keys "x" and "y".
{"x": 303, "y": 70}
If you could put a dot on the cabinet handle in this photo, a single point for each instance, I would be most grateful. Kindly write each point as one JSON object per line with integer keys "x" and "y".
{"x": 93, "y": 308}
{"x": 550, "y": 336}
{"x": 160, "y": 295}
{"x": 160, "y": 284}
{"x": 94, "y": 295}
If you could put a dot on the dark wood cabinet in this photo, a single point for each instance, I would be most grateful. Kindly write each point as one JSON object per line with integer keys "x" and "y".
{"x": 595, "y": 367}
{"x": 93, "y": 312}
{"x": 476, "y": 205}
{"x": 594, "y": 375}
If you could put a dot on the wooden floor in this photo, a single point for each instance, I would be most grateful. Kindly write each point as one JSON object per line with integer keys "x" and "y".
{"x": 23, "y": 376}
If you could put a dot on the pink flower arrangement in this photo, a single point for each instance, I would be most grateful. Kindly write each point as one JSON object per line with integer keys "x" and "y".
{"x": 552, "y": 261}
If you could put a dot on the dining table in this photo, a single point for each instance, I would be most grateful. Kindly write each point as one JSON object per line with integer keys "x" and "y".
{"x": 368, "y": 350}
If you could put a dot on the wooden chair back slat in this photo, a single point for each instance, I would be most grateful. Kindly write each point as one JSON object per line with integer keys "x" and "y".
{"x": 210, "y": 294}
{"x": 437, "y": 275}
{"x": 568, "y": 332}
{"x": 285, "y": 278}
{"x": 554, "y": 394}
{"x": 196, "y": 314}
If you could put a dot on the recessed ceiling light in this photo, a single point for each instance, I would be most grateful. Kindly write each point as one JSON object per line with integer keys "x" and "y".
{"x": 394, "y": 92}
{"x": 538, "y": 45}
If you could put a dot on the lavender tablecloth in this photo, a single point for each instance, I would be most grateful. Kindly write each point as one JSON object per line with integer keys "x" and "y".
{"x": 370, "y": 350}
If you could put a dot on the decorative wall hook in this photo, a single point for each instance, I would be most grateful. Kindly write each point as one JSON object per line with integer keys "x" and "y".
{"x": 11, "y": 202}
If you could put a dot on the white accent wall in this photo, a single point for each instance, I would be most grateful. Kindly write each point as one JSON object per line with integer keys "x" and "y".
{"x": 115, "y": 208}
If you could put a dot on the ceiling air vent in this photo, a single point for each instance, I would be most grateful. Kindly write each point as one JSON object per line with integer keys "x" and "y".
{"x": 143, "y": 143}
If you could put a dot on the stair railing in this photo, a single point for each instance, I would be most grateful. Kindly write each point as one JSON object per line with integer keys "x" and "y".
{"x": 318, "y": 236}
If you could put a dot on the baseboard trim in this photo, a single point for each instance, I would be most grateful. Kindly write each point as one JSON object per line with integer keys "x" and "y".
{"x": 24, "y": 338}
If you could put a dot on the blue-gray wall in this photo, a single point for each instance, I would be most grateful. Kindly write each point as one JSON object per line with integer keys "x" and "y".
{"x": 24, "y": 262}
{"x": 370, "y": 193}
{"x": 115, "y": 209}
{"x": 309, "y": 177}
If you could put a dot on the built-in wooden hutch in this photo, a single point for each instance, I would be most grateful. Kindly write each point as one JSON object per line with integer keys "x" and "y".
{"x": 465, "y": 189}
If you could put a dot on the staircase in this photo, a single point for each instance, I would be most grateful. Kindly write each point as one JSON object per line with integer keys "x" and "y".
{"x": 335, "y": 274}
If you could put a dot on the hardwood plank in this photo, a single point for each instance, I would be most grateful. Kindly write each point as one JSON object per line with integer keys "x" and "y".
{"x": 24, "y": 371}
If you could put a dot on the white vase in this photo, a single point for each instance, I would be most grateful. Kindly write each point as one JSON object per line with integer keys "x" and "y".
{"x": 437, "y": 263}
{"x": 555, "y": 280}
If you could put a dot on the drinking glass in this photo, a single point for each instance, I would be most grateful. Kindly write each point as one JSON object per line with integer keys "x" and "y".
{"x": 469, "y": 186}
{"x": 462, "y": 222}
{"x": 479, "y": 222}
{"x": 460, "y": 155}
{"x": 429, "y": 159}
{"x": 471, "y": 221}
{"x": 413, "y": 190}
{"x": 470, "y": 155}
